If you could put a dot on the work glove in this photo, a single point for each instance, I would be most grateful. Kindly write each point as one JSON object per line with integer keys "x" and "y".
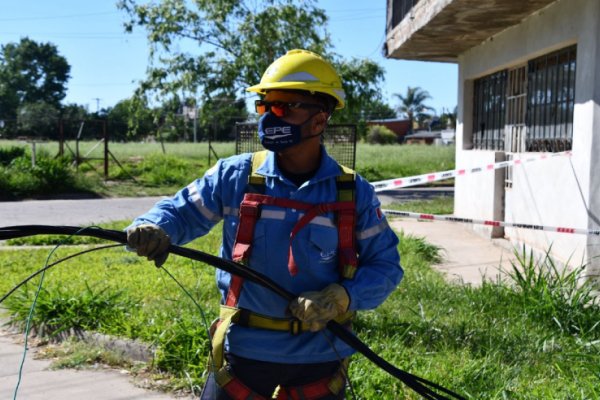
{"x": 149, "y": 241}
{"x": 315, "y": 309}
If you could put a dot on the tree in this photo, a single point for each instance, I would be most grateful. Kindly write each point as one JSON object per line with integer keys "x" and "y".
{"x": 219, "y": 116}
{"x": 235, "y": 42}
{"x": 31, "y": 72}
{"x": 448, "y": 118}
{"x": 412, "y": 104}
{"x": 38, "y": 119}
{"x": 360, "y": 79}
{"x": 130, "y": 119}
{"x": 377, "y": 109}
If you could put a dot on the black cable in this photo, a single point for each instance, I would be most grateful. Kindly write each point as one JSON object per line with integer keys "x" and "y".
{"x": 412, "y": 381}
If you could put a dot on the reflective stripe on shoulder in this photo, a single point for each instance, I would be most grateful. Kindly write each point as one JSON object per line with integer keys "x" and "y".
{"x": 372, "y": 231}
{"x": 199, "y": 203}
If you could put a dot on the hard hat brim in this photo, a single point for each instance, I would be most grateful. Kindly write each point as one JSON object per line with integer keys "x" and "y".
{"x": 262, "y": 88}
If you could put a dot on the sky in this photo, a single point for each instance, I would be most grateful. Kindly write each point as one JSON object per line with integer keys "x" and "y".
{"x": 106, "y": 62}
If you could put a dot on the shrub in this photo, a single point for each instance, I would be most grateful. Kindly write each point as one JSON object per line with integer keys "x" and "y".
{"x": 379, "y": 134}
{"x": 18, "y": 178}
{"x": 9, "y": 154}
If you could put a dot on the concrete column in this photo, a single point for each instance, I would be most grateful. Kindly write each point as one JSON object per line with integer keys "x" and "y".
{"x": 593, "y": 242}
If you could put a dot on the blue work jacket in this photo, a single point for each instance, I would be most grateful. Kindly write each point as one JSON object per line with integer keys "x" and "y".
{"x": 194, "y": 210}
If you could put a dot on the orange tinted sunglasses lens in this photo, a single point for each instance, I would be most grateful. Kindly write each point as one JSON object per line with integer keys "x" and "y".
{"x": 279, "y": 109}
{"x": 261, "y": 107}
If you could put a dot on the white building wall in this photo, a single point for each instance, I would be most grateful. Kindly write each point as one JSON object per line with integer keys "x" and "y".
{"x": 557, "y": 191}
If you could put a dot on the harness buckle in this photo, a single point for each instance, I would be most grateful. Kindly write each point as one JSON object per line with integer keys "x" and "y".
{"x": 295, "y": 326}
{"x": 250, "y": 210}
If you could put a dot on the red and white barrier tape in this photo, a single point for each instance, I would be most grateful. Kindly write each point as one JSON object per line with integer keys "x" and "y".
{"x": 443, "y": 175}
{"x": 492, "y": 223}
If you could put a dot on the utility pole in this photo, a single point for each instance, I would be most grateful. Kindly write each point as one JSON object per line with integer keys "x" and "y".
{"x": 97, "y": 103}
{"x": 195, "y": 120}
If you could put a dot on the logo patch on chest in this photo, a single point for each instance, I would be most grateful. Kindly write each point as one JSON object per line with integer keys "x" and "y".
{"x": 327, "y": 255}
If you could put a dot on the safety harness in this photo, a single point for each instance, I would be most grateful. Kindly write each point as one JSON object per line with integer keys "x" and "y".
{"x": 250, "y": 211}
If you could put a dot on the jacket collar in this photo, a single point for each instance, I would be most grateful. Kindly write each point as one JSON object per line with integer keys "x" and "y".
{"x": 327, "y": 169}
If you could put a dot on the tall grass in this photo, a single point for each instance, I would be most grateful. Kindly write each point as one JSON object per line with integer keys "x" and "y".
{"x": 64, "y": 310}
{"x": 378, "y": 162}
{"x": 555, "y": 294}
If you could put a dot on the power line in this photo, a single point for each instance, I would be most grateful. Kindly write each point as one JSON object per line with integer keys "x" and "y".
{"x": 59, "y": 16}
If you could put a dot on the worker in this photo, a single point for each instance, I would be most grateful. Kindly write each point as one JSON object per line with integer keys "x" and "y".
{"x": 294, "y": 214}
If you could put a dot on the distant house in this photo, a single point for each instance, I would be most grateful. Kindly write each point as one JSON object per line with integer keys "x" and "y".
{"x": 423, "y": 137}
{"x": 399, "y": 126}
{"x": 529, "y": 82}
{"x": 444, "y": 137}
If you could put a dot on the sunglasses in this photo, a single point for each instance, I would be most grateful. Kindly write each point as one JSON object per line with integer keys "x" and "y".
{"x": 280, "y": 108}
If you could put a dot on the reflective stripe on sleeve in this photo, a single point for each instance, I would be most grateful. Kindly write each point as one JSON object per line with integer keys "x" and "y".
{"x": 272, "y": 214}
{"x": 199, "y": 203}
{"x": 372, "y": 231}
{"x": 231, "y": 211}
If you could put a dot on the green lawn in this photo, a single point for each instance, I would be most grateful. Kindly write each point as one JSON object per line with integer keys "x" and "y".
{"x": 536, "y": 339}
{"x": 143, "y": 169}
{"x": 531, "y": 341}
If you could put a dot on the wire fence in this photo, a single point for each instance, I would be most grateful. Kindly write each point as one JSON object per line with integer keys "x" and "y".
{"x": 339, "y": 140}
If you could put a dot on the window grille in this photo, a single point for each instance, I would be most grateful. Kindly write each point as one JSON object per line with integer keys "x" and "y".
{"x": 528, "y": 108}
{"x": 516, "y": 109}
{"x": 400, "y": 8}
{"x": 551, "y": 99}
{"x": 489, "y": 111}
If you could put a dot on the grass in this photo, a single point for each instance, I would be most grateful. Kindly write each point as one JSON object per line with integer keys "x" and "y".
{"x": 538, "y": 338}
{"x": 145, "y": 170}
{"x": 438, "y": 205}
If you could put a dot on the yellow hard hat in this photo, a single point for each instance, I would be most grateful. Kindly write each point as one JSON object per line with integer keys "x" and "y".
{"x": 302, "y": 70}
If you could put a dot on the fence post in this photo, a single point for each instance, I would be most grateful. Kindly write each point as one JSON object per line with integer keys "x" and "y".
{"x": 61, "y": 138}
{"x": 105, "y": 149}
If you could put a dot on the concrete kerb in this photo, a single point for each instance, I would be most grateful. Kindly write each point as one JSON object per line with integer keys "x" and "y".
{"x": 131, "y": 350}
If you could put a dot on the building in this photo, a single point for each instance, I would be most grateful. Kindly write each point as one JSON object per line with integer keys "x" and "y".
{"x": 399, "y": 126}
{"x": 423, "y": 137}
{"x": 445, "y": 137}
{"x": 529, "y": 82}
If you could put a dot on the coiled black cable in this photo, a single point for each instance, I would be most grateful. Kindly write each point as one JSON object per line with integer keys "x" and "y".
{"x": 420, "y": 385}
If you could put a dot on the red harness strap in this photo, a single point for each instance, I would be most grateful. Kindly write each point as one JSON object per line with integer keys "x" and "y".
{"x": 250, "y": 213}
{"x": 238, "y": 391}
{"x": 346, "y": 208}
{"x": 310, "y": 391}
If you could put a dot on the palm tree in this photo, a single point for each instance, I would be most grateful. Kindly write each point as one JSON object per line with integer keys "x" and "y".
{"x": 411, "y": 104}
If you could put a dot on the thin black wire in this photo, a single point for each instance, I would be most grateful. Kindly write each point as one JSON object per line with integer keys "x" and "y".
{"x": 30, "y": 277}
{"x": 414, "y": 382}
{"x": 204, "y": 320}
{"x": 340, "y": 359}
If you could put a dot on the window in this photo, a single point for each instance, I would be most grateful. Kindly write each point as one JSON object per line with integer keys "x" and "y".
{"x": 400, "y": 8}
{"x": 527, "y": 108}
{"x": 489, "y": 108}
{"x": 551, "y": 97}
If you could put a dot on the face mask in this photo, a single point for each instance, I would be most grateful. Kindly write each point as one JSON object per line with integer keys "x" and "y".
{"x": 276, "y": 134}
